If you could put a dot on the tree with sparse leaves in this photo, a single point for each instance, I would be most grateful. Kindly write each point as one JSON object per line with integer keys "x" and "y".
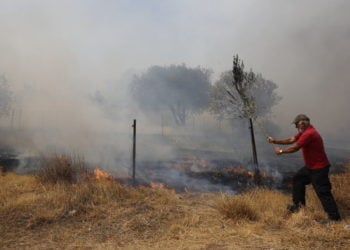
{"x": 242, "y": 94}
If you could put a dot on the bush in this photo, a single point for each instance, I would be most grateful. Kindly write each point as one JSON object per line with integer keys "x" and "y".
{"x": 57, "y": 169}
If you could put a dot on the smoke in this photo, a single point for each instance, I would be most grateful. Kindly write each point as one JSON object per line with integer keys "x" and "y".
{"x": 69, "y": 64}
{"x": 307, "y": 54}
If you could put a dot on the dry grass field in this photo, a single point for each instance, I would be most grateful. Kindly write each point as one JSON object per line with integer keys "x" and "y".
{"x": 45, "y": 212}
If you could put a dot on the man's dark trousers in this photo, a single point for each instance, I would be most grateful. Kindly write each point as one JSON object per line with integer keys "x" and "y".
{"x": 322, "y": 186}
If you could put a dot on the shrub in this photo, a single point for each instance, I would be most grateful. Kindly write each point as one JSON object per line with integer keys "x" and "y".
{"x": 61, "y": 168}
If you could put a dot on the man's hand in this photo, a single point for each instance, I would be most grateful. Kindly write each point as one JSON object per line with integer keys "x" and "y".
{"x": 278, "y": 151}
{"x": 270, "y": 139}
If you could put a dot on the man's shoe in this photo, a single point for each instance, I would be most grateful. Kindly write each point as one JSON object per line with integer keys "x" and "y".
{"x": 329, "y": 220}
{"x": 334, "y": 218}
{"x": 293, "y": 208}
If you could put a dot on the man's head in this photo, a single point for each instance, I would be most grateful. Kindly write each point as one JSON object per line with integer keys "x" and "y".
{"x": 301, "y": 121}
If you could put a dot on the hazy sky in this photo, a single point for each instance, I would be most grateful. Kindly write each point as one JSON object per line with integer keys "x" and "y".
{"x": 56, "y": 52}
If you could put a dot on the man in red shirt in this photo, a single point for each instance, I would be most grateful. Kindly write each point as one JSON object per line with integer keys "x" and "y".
{"x": 316, "y": 167}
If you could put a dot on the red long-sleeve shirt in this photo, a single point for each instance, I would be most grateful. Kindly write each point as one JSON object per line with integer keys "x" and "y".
{"x": 312, "y": 147}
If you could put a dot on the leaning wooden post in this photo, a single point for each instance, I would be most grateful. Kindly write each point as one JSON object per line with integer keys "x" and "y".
{"x": 134, "y": 152}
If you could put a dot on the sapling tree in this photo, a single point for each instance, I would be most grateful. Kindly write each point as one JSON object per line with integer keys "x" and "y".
{"x": 243, "y": 94}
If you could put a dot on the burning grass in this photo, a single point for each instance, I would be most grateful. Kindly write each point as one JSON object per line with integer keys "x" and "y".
{"x": 104, "y": 214}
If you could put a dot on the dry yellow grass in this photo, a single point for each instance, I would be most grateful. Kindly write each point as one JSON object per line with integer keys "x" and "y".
{"x": 103, "y": 214}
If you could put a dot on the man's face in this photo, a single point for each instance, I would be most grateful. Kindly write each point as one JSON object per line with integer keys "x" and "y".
{"x": 302, "y": 125}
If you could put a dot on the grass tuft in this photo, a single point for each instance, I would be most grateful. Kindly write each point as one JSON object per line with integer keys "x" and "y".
{"x": 238, "y": 207}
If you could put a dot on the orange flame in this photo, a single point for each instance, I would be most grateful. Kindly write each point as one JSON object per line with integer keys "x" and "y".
{"x": 101, "y": 175}
{"x": 161, "y": 186}
{"x": 250, "y": 174}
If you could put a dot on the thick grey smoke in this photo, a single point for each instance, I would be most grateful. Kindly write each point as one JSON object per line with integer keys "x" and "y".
{"x": 69, "y": 63}
{"x": 304, "y": 47}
